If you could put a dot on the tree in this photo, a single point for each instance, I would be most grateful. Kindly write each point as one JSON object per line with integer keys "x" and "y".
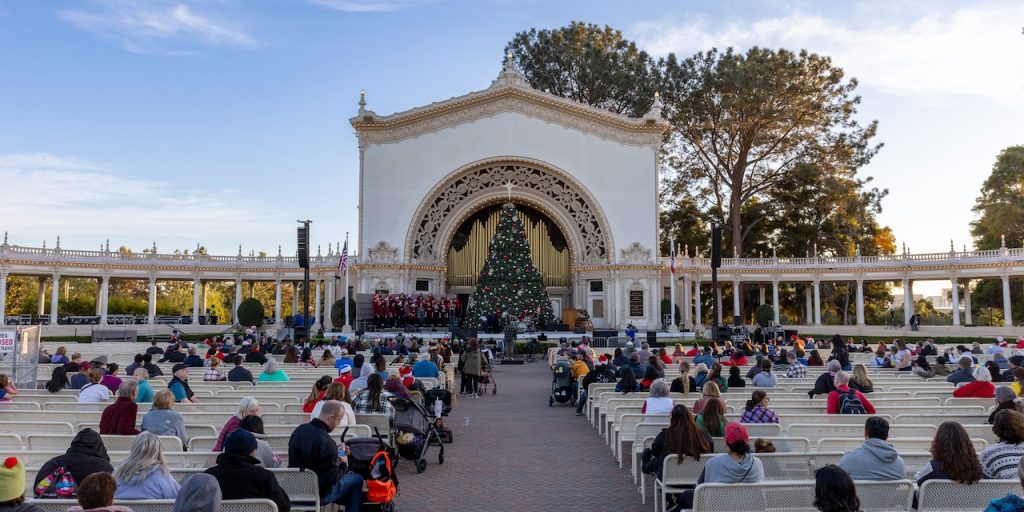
{"x": 1001, "y": 204}
{"x": 588, "y": 64}
{"x": 742, "y": 123}
{"x": 509, "y": 284}
{"x": 338, "y": 312}
{"x": 250, "y": 312}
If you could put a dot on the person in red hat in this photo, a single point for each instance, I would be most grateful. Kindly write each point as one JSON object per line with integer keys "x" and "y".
{"x": 738, "y": 466}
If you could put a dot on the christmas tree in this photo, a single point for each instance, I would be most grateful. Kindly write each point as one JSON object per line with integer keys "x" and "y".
{"x": 509, "y": 285}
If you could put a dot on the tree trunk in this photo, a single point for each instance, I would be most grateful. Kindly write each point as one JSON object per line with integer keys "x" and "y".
{"x": 735, "y": 224}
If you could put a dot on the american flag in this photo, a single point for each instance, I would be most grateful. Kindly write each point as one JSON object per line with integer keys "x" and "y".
{"x": 343, "y": 260}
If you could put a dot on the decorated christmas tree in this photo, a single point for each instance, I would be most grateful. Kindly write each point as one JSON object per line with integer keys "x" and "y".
{"x": 509, "y": 286}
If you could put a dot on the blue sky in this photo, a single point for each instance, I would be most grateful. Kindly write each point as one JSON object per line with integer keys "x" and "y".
{"x": 220, "y": 122}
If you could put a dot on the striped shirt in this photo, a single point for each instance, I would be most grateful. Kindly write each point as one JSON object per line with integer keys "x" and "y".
{"x": 796, "y": 370}
{"x": 1001, "y": 459}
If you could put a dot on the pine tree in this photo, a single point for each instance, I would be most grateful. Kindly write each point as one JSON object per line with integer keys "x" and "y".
{"x": 510, "y": 284}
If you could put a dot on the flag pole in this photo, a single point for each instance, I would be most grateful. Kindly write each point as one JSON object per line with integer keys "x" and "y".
{"x": 347, "y": 327}
{"x": 672, "y": 286}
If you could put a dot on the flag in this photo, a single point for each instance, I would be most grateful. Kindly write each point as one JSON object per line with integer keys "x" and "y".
{"x": 343, "y": 260}
{"x": 672, "y": 251}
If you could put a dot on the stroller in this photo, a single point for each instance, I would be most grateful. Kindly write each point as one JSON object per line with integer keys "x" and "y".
{"x": 563, "y": 386}
{"x": 430, "y": 400}
{"x": 415, "y": 433}
{"x": 367, "y": 460}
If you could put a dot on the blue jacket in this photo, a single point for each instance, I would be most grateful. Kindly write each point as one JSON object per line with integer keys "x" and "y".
{"x": 704, "y": 358}
{"x": 425, "y": 368}
{"x": 1011, "y": 503}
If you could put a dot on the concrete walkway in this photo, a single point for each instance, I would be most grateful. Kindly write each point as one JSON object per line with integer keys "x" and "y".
{"x": 512, "y": 452}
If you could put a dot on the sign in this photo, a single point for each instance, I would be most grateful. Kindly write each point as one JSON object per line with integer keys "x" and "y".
{"x": 636, "y": 303}
{"x": 7, "y": 339}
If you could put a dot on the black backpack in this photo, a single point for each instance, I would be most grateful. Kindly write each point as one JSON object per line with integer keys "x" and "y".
{"x": 849, "y": 403}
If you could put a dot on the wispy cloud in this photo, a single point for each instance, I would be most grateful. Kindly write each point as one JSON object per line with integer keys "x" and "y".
{"x": 70, "y": 196}
{"x": 938, "y": 52}
{"x": 158, "y": 27}
{"x": 368, "y": 5}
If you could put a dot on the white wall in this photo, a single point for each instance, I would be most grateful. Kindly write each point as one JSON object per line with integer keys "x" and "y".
{"x": 398, "y": 176}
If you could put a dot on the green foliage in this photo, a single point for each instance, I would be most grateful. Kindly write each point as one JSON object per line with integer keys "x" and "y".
{"x": 509, "y": 284}
{"x": 666, "y": 308}
{"x": 765, "y": 314}
{"x": 589, "y": 64}
{"x": 338, "y": 312}
{"x": 250, "y": 312}
{"x": 1001, "y": 204}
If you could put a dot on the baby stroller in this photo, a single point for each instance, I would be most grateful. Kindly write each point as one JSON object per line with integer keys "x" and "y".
{"x": 444, "y": 397}
{"x": 563, "y": 386}
{"x": 415, "y": 433}
{"x": 366, "y": 460}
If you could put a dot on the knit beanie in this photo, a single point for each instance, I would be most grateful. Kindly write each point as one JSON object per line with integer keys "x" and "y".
{"x": 12, "y": 479}
{"x": 240, "y": 441}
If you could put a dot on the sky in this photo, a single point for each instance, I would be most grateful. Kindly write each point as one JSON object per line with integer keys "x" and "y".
{"x": 222, "y": 122}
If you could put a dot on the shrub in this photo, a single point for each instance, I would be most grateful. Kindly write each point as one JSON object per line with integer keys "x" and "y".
{"x": 250, "y": 312}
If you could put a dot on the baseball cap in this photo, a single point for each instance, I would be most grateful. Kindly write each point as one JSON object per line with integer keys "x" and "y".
{"x": 179, "y": 366}
{"x": 736, "y": 432}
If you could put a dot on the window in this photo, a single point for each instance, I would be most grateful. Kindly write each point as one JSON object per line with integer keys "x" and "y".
{"x": 422, "y": 285}
{"x": 667, "y": 294}
{"x": 596, "y": 286}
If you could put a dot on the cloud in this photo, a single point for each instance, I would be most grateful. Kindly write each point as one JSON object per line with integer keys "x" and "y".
{"x": 65, "y": 195}
{"x": 937, "y": 52}
{"x": 157, "y": 27}
{"x": 367, "y": 5}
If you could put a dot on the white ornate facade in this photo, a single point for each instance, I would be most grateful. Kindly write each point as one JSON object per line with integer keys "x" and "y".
{"x": 593, "y": 173}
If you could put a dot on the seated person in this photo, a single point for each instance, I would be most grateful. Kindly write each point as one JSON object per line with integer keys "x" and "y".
{"x": 312, "y": 447}
{"x": 875, "y": 459}
{"x": 240, "y": 475}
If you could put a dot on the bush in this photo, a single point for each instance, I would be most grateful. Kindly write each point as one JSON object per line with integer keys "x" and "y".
{"x": 765, "y": 314}
{"x": 250, "y": 312}
{"x": 338, "y": 313}
{"x": 666, "y": 308}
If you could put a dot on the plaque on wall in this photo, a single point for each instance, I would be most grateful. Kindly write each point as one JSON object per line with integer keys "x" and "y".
{"x": 636, "y": 303}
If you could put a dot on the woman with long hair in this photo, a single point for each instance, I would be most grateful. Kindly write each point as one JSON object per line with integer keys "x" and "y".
{"x": 757, "y": 411}
{"x": 306, "y": 359}
{"x": 953, "y": 457}
{"x": 712, "y": 418}
{"x": 337, "y": 391}
{"x": 373, "y": 399}
{"x": 619, "y": 358}
{"x": 709, "y": 392}
{"x": 327, "y": 359}
{"x": 627, "y": 382}
{"x": 715, "y": 375}
{"x": 58, "y": 380}
{"x": 815, "y": 359}
{"x": 683, "y": 438}
{"x": 316, "y": 394}
{"x": 860, "y": 380}
{"x": 685, "y": 382}
{"x": 144, "y": 474}
{"x": 834, "y": 490}
{"x": 994, "y": 371}
{"x": 291, "y": 355}
{"x": 735, "y": 380}
{"x": 650, "y": 375}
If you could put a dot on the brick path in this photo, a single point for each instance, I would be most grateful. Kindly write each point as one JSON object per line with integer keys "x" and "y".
{"x": 514, "y": 453}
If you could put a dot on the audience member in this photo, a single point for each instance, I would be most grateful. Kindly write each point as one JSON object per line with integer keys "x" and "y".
{"x": 682, "y": 438}
{"x": 658, "y": 402}
{"x": 94, "y": 392}
{"x": 213, "y": 373}
{"x": 144, "y": 474}
{"x": 12, "y": 487}
{"x": 239, "y": 373}
{"x": 1005, "y": 399}
{"x": 119, "y": 417}
{"x": 199, "y": 492}
{"x": 85, "y": 456}
{"x": 162, "y": 420}
{"x": 602, "y": 374}
{"x": 875, "y": 459}
{"x": 110, "y": 379}
{"x": 627, "y": 382}
{"x": 247, "y": 406}
{"x": 795, "y": 369}
{"x": 316, "y": 393}
{"x": 757, "y": 410}
{"x": 58, "y": 380}
{"x": 843, "y": 400}
{"x": 684, "y": 383}
{"x": 825, "y": 383}
{"x": 735, "y": 380}
{"x": 179, "y": 384}
{"x": 963, "y": 374}
{"x": 712, "y": 418}
{"x": 1000, "y": 460}
{"x": 96, "y": 494}
{"x": 860, "y": 380}
{"x": 1011, "y": 502}
{"x": 373, "y": 399}
{"x": 241, "y": 477}
{"x": 709, "y": 392}
{"x": 765, "y": 379}
{"x": 265, "y": 454}
{"x": 953, "y": 457}
{"x": 312, "y": 447}
{"x": 834, "y": 490}
{"x": 738, "y": 466}
{"x": 271, "y": 373}
{"x": 337, "y": 392}
{"x": 145, "y": 392}
{"x": 980, "y": 387}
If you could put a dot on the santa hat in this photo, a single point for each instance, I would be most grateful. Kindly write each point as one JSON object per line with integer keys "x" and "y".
{"x": 12, "y": 479}
{"x": 603, "y": 359}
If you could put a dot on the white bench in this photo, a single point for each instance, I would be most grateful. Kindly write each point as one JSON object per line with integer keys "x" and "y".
{"x": 947, "y": 495}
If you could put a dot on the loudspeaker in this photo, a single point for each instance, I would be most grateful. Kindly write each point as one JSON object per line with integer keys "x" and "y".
{"x": 303, "y": 247}
{"x": 605, "y": 333}
{"x": 652, "y": 338}
{"x": 736, "y": 320}
{"x": 360, "y": 333}
{"x": 716, "y": 246}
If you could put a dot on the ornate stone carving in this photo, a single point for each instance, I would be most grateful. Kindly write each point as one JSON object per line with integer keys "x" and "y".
{"x": 635, "y": 253}
{"x": 383, "y": 252}
{"x": 586, "y": 218}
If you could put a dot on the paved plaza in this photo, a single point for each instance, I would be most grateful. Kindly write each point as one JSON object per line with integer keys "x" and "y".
{"x": 513, "y": 452}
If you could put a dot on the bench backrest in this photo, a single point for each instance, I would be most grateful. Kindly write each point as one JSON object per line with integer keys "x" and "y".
{"x": 948, "y": 495}
{"x": 797, "y": 496}
{"x": 162, "y": 505}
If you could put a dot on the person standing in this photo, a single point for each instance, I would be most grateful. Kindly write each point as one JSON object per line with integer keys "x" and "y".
{"x": 472, "y": 361}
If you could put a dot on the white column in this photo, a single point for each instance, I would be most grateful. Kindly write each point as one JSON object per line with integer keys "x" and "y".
{"x": 54, "y": 299}
{"x": 719, "y": 306}
{"x": 3, "y": 299}
{"x": 698, "y": 318}
{"x": 737, "y": 292}
{"x": 908, "y": 301}
{"x": 238, "y": 300}
{"x": 967, "y": 303}
{"x": 99, "y": 297}
{"x": 316, "y": 304}
{"x": 808, "y": 305}
{"x": 42, "y": 297}
{"x": 328, "y": 304}
{"x": 775, "y": 301}
{"x": 687, "y": 304}
{"x": 817, "y": 303}
{"x": 204, "y": 287}
{"x": 956, "y": 302}
{"x": 760, "y": 294}
{"x": 152, "y": 301}
{"x": 1007, "y": 310}
{"x": 196, "y": 292}
{"x": 104, "y": 299}
{"x": 277, "y": 302}
{"x": 860, "y": 302}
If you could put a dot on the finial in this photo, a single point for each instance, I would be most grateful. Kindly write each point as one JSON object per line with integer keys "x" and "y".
{"x": 44, "y": 245}
{"x": 774, "y": 255}
{"x": 654, "y": 114}
{"x": 58, "y": 243}
{"x": 904, "y": 247}
{"x": 107, "y": 247}
{"x": 965, "y": 247}
{"x": 5, "y": 238}
{"x": 1002, "y": 241}
{"x": 318, "y": 250}
{"x": 362, "y": 101}
{"x": 279, "y": 251}
{"x": 252, "y": 253}
{"x": 239, "y": 250}
{"x": 154, "y": 246}
{"x": 815, "y": 249}
{"x": 686, "y": 250}
{"x": 197, "y": 247}
{"x": 509, "y": 75}
{"x": 951, "y": 248}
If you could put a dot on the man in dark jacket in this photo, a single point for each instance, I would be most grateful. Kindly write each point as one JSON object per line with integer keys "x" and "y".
{"x": 239, "y": 373}
{"x": 255, "y": 356}
{"x": 86, "y": 456}
{"x": 147, "y": 363}
{"x": 601, "y": 374}
{"x": 136, "y": 364}
{"x": 193, "y": 360}
{"x": 241, "y": 477}
{"x": 825, "y": 383}
{"x": 173, "y": 355}
{"x": 154, "y": 349}
{"x": 311, "y": 447}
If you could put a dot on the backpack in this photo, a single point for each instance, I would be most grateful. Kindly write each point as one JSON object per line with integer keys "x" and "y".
{"x": 382, "y": 484}
{"x": 59, "y": 484}
{"x": 849, "y": 403}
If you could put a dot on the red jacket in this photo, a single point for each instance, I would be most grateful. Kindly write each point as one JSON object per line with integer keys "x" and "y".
{"x": 119, "y": 418}
{"x": 976, "y": 389}
{"x": 833, "y": 400}
{"x": 345, "y": 378}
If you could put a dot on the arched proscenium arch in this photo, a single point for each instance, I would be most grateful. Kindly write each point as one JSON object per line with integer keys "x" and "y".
{"x": 551, "y": 190}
